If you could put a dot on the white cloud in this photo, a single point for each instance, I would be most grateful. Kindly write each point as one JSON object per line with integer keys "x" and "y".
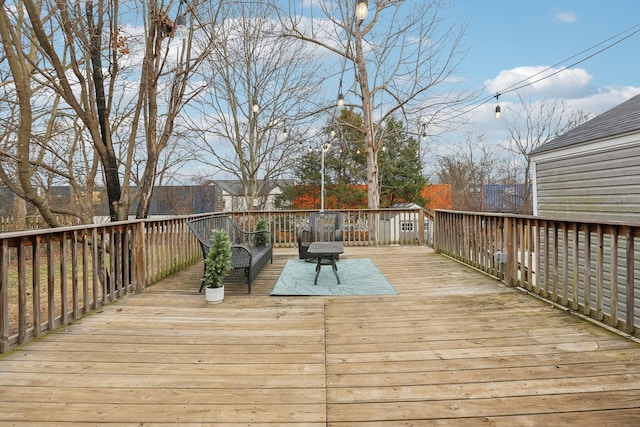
{"x": 482, "y": 120}
{"x": 564, "y": 16}
{"x": 603, "y": 100}
{"x": 533, "y": 81}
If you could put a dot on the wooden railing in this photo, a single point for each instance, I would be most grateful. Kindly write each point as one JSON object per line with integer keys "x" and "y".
{"x": 30, "y": 222}
{"x": 51, "y": 277}
{"x": 396, "y": 226}
{"x": 588, "y": 267}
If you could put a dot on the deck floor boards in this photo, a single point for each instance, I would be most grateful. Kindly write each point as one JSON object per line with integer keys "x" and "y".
{"x": 453, "y": 348}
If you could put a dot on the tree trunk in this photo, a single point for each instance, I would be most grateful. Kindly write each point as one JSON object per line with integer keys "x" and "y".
{"x": 19, "y": 213}
{"x": 146, "y": 187}
{"x": 21, "y": 68}
{"x": 370, "y": 143}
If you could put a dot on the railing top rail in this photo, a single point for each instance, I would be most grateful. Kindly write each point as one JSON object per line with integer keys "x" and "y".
{"x": 47, "y": 231}
{"x": 56, "y": 230}
{"x": 14, "y": 238}
{"x": 298, "y": 211}
{"x": 44, "y": 231}
{"x": 538, "y": 218}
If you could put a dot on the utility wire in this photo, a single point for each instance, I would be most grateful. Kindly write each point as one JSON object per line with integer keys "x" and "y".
{"x": 635, "y": 29}
{"x": 512, "y": 88}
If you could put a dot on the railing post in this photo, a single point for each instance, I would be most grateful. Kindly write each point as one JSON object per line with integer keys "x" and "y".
{"x": 139, "y": 257}
{"x": 435, "y": 228}
{"x": 630, "y": 281}
{"x": 4, "y": 296}
{"x": 421, "y": 227}
{"x": 510, "y": 250}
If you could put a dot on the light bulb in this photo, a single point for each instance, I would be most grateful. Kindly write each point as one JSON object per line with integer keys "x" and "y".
{"x": 362, "y": 9}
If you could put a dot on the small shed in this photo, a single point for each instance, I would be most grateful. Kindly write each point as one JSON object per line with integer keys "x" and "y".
{"x": 403, "y": 225}
{"x": 592, "y": 172}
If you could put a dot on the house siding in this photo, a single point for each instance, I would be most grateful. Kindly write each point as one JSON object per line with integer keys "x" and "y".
{"x": 588, "y": 277}
{"x": 592, "y": 174}
{"x": 601, "y": 185}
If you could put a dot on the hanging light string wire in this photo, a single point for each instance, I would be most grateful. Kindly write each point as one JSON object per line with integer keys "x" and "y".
{"x": 347, "y": 50}
{"x": 522, "y": 83}
{"x": 528, "y": 82}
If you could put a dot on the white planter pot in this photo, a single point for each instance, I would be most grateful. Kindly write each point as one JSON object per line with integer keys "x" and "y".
{"x": 213, "y": 295}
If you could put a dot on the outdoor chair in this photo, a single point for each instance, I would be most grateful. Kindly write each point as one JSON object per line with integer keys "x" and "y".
{"x": 323, "y": 227}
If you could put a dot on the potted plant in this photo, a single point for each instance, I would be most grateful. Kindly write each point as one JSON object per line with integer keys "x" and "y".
{"x": 217, "y": 266}
{"x": 261, "y": 239}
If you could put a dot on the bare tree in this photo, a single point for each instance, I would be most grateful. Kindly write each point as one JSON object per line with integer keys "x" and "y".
{"x": 396, "y": 58}
{"x": 532, "y": 125}
{"x": 161, "y": 75}
{"x": 251, "y": 63}
{"x": 16, "y": 168}
{"x": 79, "y": 54}
{"x": 468, "y": 171}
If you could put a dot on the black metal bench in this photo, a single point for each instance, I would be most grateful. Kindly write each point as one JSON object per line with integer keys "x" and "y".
{"x": 248, "y": 256}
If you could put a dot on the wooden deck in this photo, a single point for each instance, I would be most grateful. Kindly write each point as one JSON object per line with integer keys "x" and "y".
{"x": 454, "y": 348}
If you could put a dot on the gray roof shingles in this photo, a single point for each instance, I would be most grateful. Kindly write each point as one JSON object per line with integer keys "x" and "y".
{"x": 622, "y": 119}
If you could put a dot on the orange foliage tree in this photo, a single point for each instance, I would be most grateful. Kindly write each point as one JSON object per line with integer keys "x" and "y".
{"x": 438, "y": 196}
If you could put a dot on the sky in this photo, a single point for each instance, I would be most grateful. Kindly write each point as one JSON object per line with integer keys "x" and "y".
{"x": 512, "y": 40}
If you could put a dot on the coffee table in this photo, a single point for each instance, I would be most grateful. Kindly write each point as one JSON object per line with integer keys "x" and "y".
{"x": 326, "y": 251}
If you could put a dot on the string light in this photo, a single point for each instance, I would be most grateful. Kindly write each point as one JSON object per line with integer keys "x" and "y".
{"x": 181, "y": 21}
{"x": 362, "y": 10}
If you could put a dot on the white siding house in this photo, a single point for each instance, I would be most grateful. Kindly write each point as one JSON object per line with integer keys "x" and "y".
{"x": 592, "y": 172}
{"x": 233, "y": 199}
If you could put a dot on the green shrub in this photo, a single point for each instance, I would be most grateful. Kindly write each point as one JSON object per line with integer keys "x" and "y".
{"x": 261, "y": 239}
{"x": 217, "y": 265}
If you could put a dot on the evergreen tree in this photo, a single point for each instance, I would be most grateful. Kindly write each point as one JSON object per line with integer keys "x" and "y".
{"x": 401, "y": 179}
{"x": 345, "y": 167}
{"x": 347, "y": 161}
{"x": 305, "y": 192}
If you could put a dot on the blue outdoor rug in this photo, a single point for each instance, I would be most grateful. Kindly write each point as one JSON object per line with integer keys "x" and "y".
{"x": 357, "y": 277}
